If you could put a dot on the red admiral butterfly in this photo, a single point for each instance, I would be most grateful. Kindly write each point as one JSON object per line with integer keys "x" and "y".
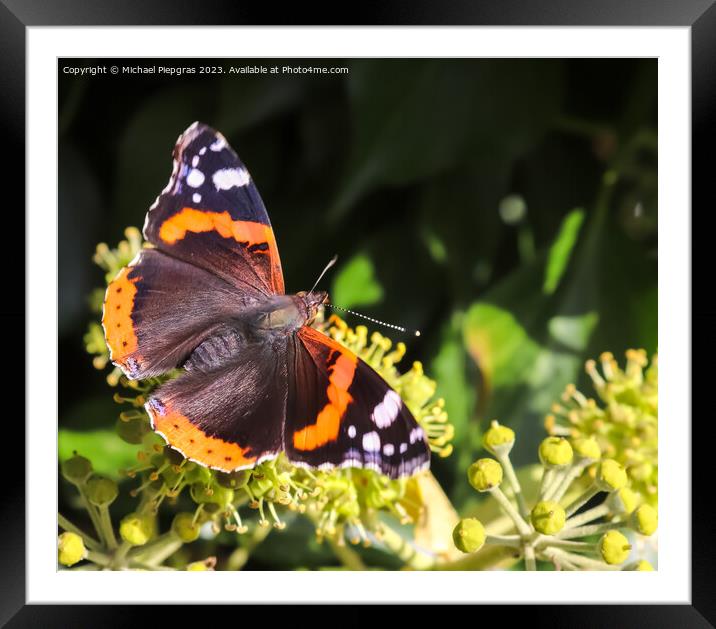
{"x": 258, "y": 380}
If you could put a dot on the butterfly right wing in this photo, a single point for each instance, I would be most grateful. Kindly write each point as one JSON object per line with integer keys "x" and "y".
{"x": 158, "y": 309}
{"x": 211, "y": 215}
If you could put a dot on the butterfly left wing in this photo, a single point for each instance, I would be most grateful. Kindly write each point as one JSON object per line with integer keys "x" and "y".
{"x": 225, "y": 415}
{"x": 341, "y": 413}
{"x": 211, "y": 215}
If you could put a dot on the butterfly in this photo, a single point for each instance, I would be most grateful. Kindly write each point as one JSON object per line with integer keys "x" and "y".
{"x": 256, "y": 379}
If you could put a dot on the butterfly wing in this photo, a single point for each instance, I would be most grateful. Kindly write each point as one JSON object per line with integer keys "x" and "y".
{"x": 158, "y": 309}
{"x": 341, "y": 413}
{"x": 229, "y": 416}
{"x": 211, "y": 215}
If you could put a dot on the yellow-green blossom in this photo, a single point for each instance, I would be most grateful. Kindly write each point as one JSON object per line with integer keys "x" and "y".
{"x": 70, "y": 549}
{"x": 624, "y": 419}
{"x": 469, "y": 535}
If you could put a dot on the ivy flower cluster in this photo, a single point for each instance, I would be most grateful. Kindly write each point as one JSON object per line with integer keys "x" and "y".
{"x": 564, "y": 526}
{"x": 625, "y": 425}
{"x": 343, "y": 504}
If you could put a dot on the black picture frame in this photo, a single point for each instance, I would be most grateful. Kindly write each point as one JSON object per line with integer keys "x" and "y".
{"x": 17, "y": 15}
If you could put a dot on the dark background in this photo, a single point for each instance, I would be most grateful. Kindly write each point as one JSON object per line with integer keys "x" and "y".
{"x": 401, "y": 168}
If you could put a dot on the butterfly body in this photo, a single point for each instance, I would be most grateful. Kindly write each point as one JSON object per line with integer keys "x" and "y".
{"x": 208, "y": 297}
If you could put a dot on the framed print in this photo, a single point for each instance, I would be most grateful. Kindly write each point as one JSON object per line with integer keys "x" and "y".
{"x": 361, "y": 314}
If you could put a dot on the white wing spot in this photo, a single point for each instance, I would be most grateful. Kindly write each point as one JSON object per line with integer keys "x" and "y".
{"x": 230, "y": 177}
{"x": 196, "y": 197}
{"x": 385, "y": 413}
{"x": 371, "y": 442}
{"x": 202, "y": 150}
{"x": 388, "y": 449}
{"x": 195, "y": 161}
{"x": 403, "y": 448}
{"x": 352, "y": 431}
{"x": 195, "y": 178}
{"x": 219, "y": 144}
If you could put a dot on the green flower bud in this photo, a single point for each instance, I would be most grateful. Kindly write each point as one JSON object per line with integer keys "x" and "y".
{"x": 185, "y": 528}
{"x": 136, "y": 529}
{"x": 614, "y": 547}
{"x": 77, "y": 469}
{"x": 132, "y": 431}
{"x": 211, "y": 494}
{"x": 555, "y": 452}
{"x": 587, "y": 448}
{"x": 101, "y": 491}
{"x": 469, "y": 535}
{"x": 484, "y": 474}
{"x": 198, "y": 474}
{"x": 260, "y": 486}
{"x": 611, "y": 475}
{"x": 498, "y": 439}
{"x": 70, "y": 549}
{"x": 233, "y": 480}
{"x": 548, "y": 517}
{"x": 623, "y": 500}
{"x": 644, "y": 520}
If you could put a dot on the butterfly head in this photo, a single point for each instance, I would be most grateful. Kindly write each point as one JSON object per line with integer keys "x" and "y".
{"x": 312, "y": 301}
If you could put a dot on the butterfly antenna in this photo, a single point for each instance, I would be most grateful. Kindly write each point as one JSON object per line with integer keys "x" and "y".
{"x": 331, "y": 262}
{"x": 372, "y": 320}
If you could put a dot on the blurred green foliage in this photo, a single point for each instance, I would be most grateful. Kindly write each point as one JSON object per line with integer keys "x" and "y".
{"x": 506, "y": 208}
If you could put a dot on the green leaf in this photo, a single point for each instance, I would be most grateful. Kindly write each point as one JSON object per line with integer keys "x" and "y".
{"x": 104, "y": 448}
{"x": 356, "y": 285}
{"x": 573, "y": 331}
{"x": 561, "y": 250}
{"x": 415, "y": 118}
{"x": 450, "y": 370}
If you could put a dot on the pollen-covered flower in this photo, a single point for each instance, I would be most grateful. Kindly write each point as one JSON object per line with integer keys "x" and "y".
{"x": 623, "y": 420}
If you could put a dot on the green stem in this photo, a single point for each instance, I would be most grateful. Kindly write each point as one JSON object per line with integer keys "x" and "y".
{"x": 555, "y": 554}
{"x": 405, "y": 551}
{"x": 522, "y": 527}
{"x": 94, "y": 516}
{"x": 506, "y": 463}
{"x": 513, "y": 541}
{"x": 488, "y": 557}
{"x": 99, "y": 558}
{"x": 582, "y": 500}
{"x": 530, "y": 562}
{"x": 120, "y": 555}
{"x": 106, "y": 523}
{"x": 66, "y": 525}
{"x": 592, "y": 529}
{"x": 156, "y": 551}
{"x": 570, "y": 545}
{"x": 569, "y": 477}
{"x": 546, "y": 482}
{"x": 589, "y": 515}
{"x": 347, "y": 556}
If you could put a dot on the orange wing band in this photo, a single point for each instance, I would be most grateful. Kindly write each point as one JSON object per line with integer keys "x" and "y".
{"x": 328, "y": 421}
{"x": 249, "y": 233}
{"x": 117, "y": 316}
{"x": 195, "y": 444}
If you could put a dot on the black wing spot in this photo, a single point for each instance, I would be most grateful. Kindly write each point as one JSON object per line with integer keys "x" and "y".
{"x": 261, "y": 246}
